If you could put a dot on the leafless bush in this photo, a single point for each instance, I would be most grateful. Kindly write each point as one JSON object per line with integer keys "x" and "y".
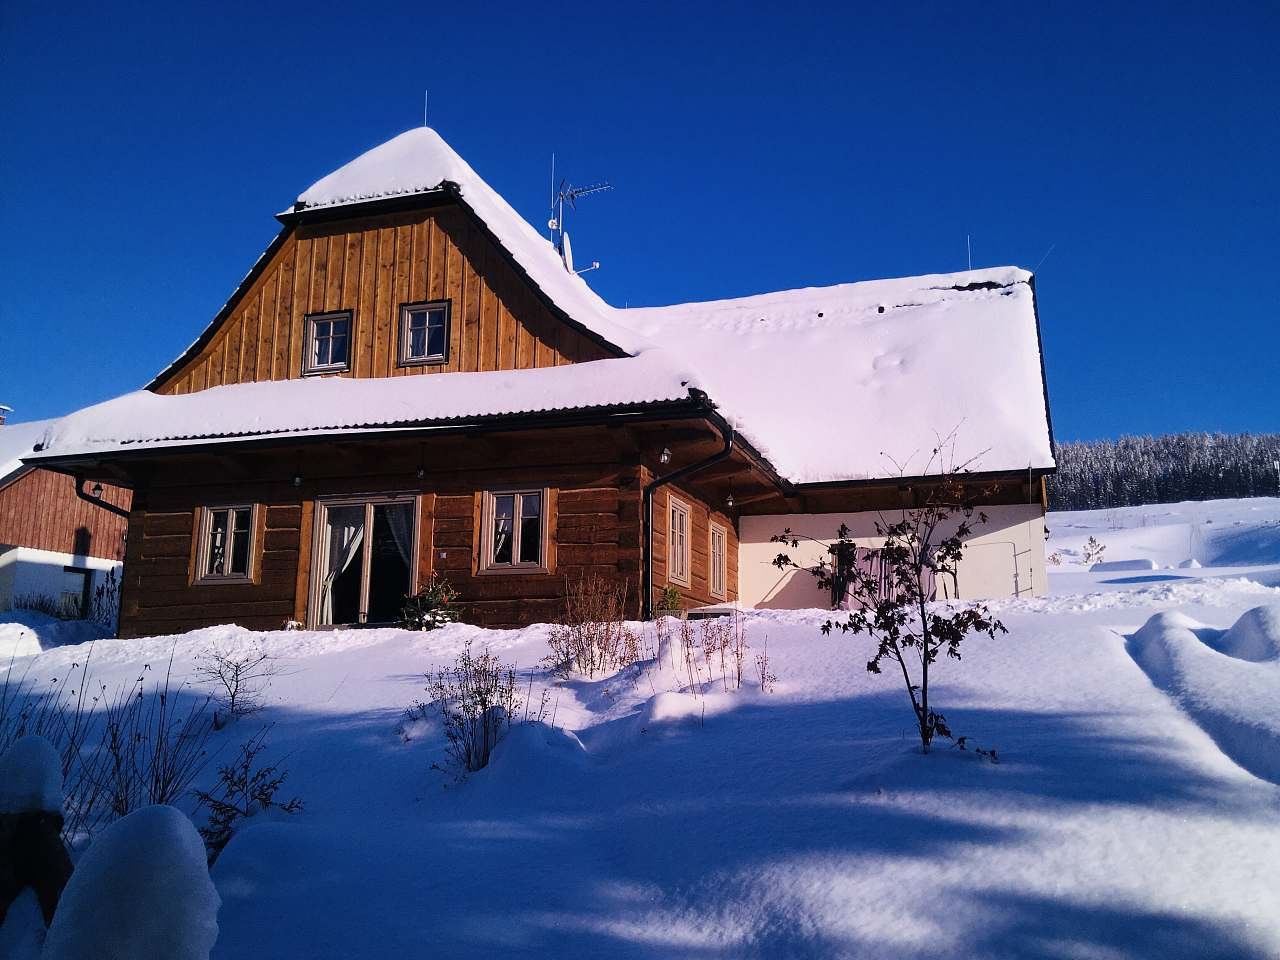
{"x": 104, "y": 608}
{"x": 244, "y": 789}
{"x": 59, "y": 608}
{"x": 477, "y": 698}
{"x": 120, "y": 751}
{"x": 738, "y": 646}
{"x": 239, "y": 679}
{"x": 593, "y": 636}
{"x": 764, "y": 670}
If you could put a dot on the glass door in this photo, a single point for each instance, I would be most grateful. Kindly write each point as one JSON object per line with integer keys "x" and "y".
{"x": 364, "y": 560}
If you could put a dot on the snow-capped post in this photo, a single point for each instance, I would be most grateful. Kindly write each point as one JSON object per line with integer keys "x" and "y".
{"x": 31, "y": 849}
{"x": 889, "y": 589}
{"x": 141, "y": 890}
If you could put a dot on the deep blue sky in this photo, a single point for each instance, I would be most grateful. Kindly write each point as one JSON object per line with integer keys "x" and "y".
{"x": 145, "y": 150}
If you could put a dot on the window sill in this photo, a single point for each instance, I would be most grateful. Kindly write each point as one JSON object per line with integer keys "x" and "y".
{"x": 526, "y": 570}
{"x": 321, "y": 371}
{"x": 219, "y": 581}
{"x": 423, "y": 362}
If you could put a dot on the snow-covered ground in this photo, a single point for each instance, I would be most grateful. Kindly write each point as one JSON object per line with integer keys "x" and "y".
{"x": 643, "y": 821}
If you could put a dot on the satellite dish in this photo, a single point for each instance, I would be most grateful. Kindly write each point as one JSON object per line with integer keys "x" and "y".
{"x": 566, "y": 252}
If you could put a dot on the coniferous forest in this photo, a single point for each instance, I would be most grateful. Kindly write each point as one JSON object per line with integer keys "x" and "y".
{"x": 1181, "y": 466}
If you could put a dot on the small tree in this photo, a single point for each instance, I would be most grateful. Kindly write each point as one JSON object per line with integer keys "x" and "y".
{"x": 1093, "y": 551}
{"x": 239, "y": 677}
{"x": 890, "y": 598}
{"x": 431, "y": 607}
{"x": 244, "y": 789}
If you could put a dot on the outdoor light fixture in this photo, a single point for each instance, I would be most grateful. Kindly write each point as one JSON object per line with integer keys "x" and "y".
{"x": 297, "y": 479}
{"x": 421, "y": 473}
{"x": 728, "y": 501}
{"x": 96, "y": 492}
{"x": 665, "y": 456}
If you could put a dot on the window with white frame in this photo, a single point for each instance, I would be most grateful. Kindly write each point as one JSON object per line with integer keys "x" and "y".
{"x": 514, "y": 531}
{"x": 364, "y": 559}
{"x": 327, "y": 346}
{"x": 424, "y": 333}
{"x": 678, "y": 542}
{"x": 719, "y": 561}
{"x": 225, "y": 550}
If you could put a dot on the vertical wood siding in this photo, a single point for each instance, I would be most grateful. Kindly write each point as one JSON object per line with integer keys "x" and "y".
{"x": 372, "y": 267}
{"x": 40, "y": 509}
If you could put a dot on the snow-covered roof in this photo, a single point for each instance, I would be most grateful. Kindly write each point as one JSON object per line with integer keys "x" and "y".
{"x": 860, "y": 380}
{"x": 419, "y": 161}
{"x": 16, "y": 441}
{"x": 332, "y": 405}
{"x": 850, "y": 382}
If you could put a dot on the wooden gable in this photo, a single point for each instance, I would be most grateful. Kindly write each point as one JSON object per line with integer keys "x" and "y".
{"x": 371, "y": 266}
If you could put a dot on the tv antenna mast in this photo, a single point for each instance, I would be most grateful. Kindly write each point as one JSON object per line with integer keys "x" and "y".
{"x": 560, "y": 195}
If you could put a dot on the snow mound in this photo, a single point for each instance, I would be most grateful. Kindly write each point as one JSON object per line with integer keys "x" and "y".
{"x": 23, "y": 929}
{"x": 1192, "y": 564}
{"x": 30, "y": 777}
{"x": 141, "y": 891}
{"x": 1255, "y": 636}
{"x": 532, "y": 755}
{"x": 25, "y": 633}
{"x": 1117, "y": 566}
{"x": 671, "y": 707}
{"x": 1236, "y": 702}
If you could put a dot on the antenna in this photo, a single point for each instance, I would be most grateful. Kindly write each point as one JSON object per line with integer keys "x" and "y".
{"x": 568, "y": 193}
{"x": 426, "y": 98}
{"x": 968, "y": 249}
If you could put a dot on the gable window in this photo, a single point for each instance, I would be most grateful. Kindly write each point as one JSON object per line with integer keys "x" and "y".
{"x": 719, "y": 561}
{"x": 678, "y": 543}
{"x": 328, "y": 343}
{"x": 225, "y": 550}
{"x": 424, "y": 333}
{"x": 514, "y": 532}
{"x": 365, "y": 557}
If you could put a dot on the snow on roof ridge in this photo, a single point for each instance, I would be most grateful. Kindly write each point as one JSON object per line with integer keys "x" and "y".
{"x": 420, "y": 161}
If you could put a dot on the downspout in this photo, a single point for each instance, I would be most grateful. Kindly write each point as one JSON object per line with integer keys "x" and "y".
{"x": 97, "y": 501}
{"x": 646, "y": 514}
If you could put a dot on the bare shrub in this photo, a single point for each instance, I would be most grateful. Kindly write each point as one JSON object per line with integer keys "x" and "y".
{"x": 120, "y": 751}
{"x": 239, "y": 679}
{"x": 738, "y": 646}
{"x": 104, "y": 607}
{"x": 60, "y": 609}
{"x": 244, "y": 788}
{"x": 592, "y": 636}
{"x": 477, "y": 698}
{"x": 764, "y": 671}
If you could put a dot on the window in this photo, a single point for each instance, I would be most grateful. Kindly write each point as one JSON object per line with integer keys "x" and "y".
{"x": 424, "y": 333}
{"x": 365, "y": 558}
{"x": 226, "y": 544}
{"x": 514, "y": 532}
{"x": 678, "y": 543}
{"x": 328, "y": 343}
{"x": 719, "y": 560}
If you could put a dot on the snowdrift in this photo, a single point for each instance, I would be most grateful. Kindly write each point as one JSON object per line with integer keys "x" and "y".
{"x": 1234, "y": 698}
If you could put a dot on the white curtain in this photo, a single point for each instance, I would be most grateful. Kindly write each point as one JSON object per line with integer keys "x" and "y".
{"x": 345, "y": 537}
{"x": 400, "y": 520}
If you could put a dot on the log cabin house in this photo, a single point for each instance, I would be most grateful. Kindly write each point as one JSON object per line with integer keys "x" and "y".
{"x": 410, "y": 382}
{"x": 55, "y": 546}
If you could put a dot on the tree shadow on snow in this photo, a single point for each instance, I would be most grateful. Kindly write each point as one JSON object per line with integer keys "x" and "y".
{"x": 688, "y": 839}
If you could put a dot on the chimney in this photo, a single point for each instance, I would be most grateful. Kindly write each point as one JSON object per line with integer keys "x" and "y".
{"x": 4, "y": 413}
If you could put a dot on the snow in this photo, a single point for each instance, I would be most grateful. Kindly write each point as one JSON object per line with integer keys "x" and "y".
{"x": 141, "y": 891}
{"x": 27, "y": 632}
{"x": 419, "y": 161}
{"x": 16, "y": 441}
{"x": 1236, "y": 700}
{"x": 1120, "y": 566}
{"x": 895, "y": 363}
{"x": 30, "y": 777}
{"x": 648, "y": 816}
{"x": 337, "y": 404}
{"x": 920, "y": 357}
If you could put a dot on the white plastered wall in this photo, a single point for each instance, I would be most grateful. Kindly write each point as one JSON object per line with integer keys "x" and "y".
{"x": 25, "y": 571}
{"x": 1003, "y": 558}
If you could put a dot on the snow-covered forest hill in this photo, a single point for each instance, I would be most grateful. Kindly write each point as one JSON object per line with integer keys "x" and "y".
{"x": 667, "y": 811}
{"x": 1167, "y": 469}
